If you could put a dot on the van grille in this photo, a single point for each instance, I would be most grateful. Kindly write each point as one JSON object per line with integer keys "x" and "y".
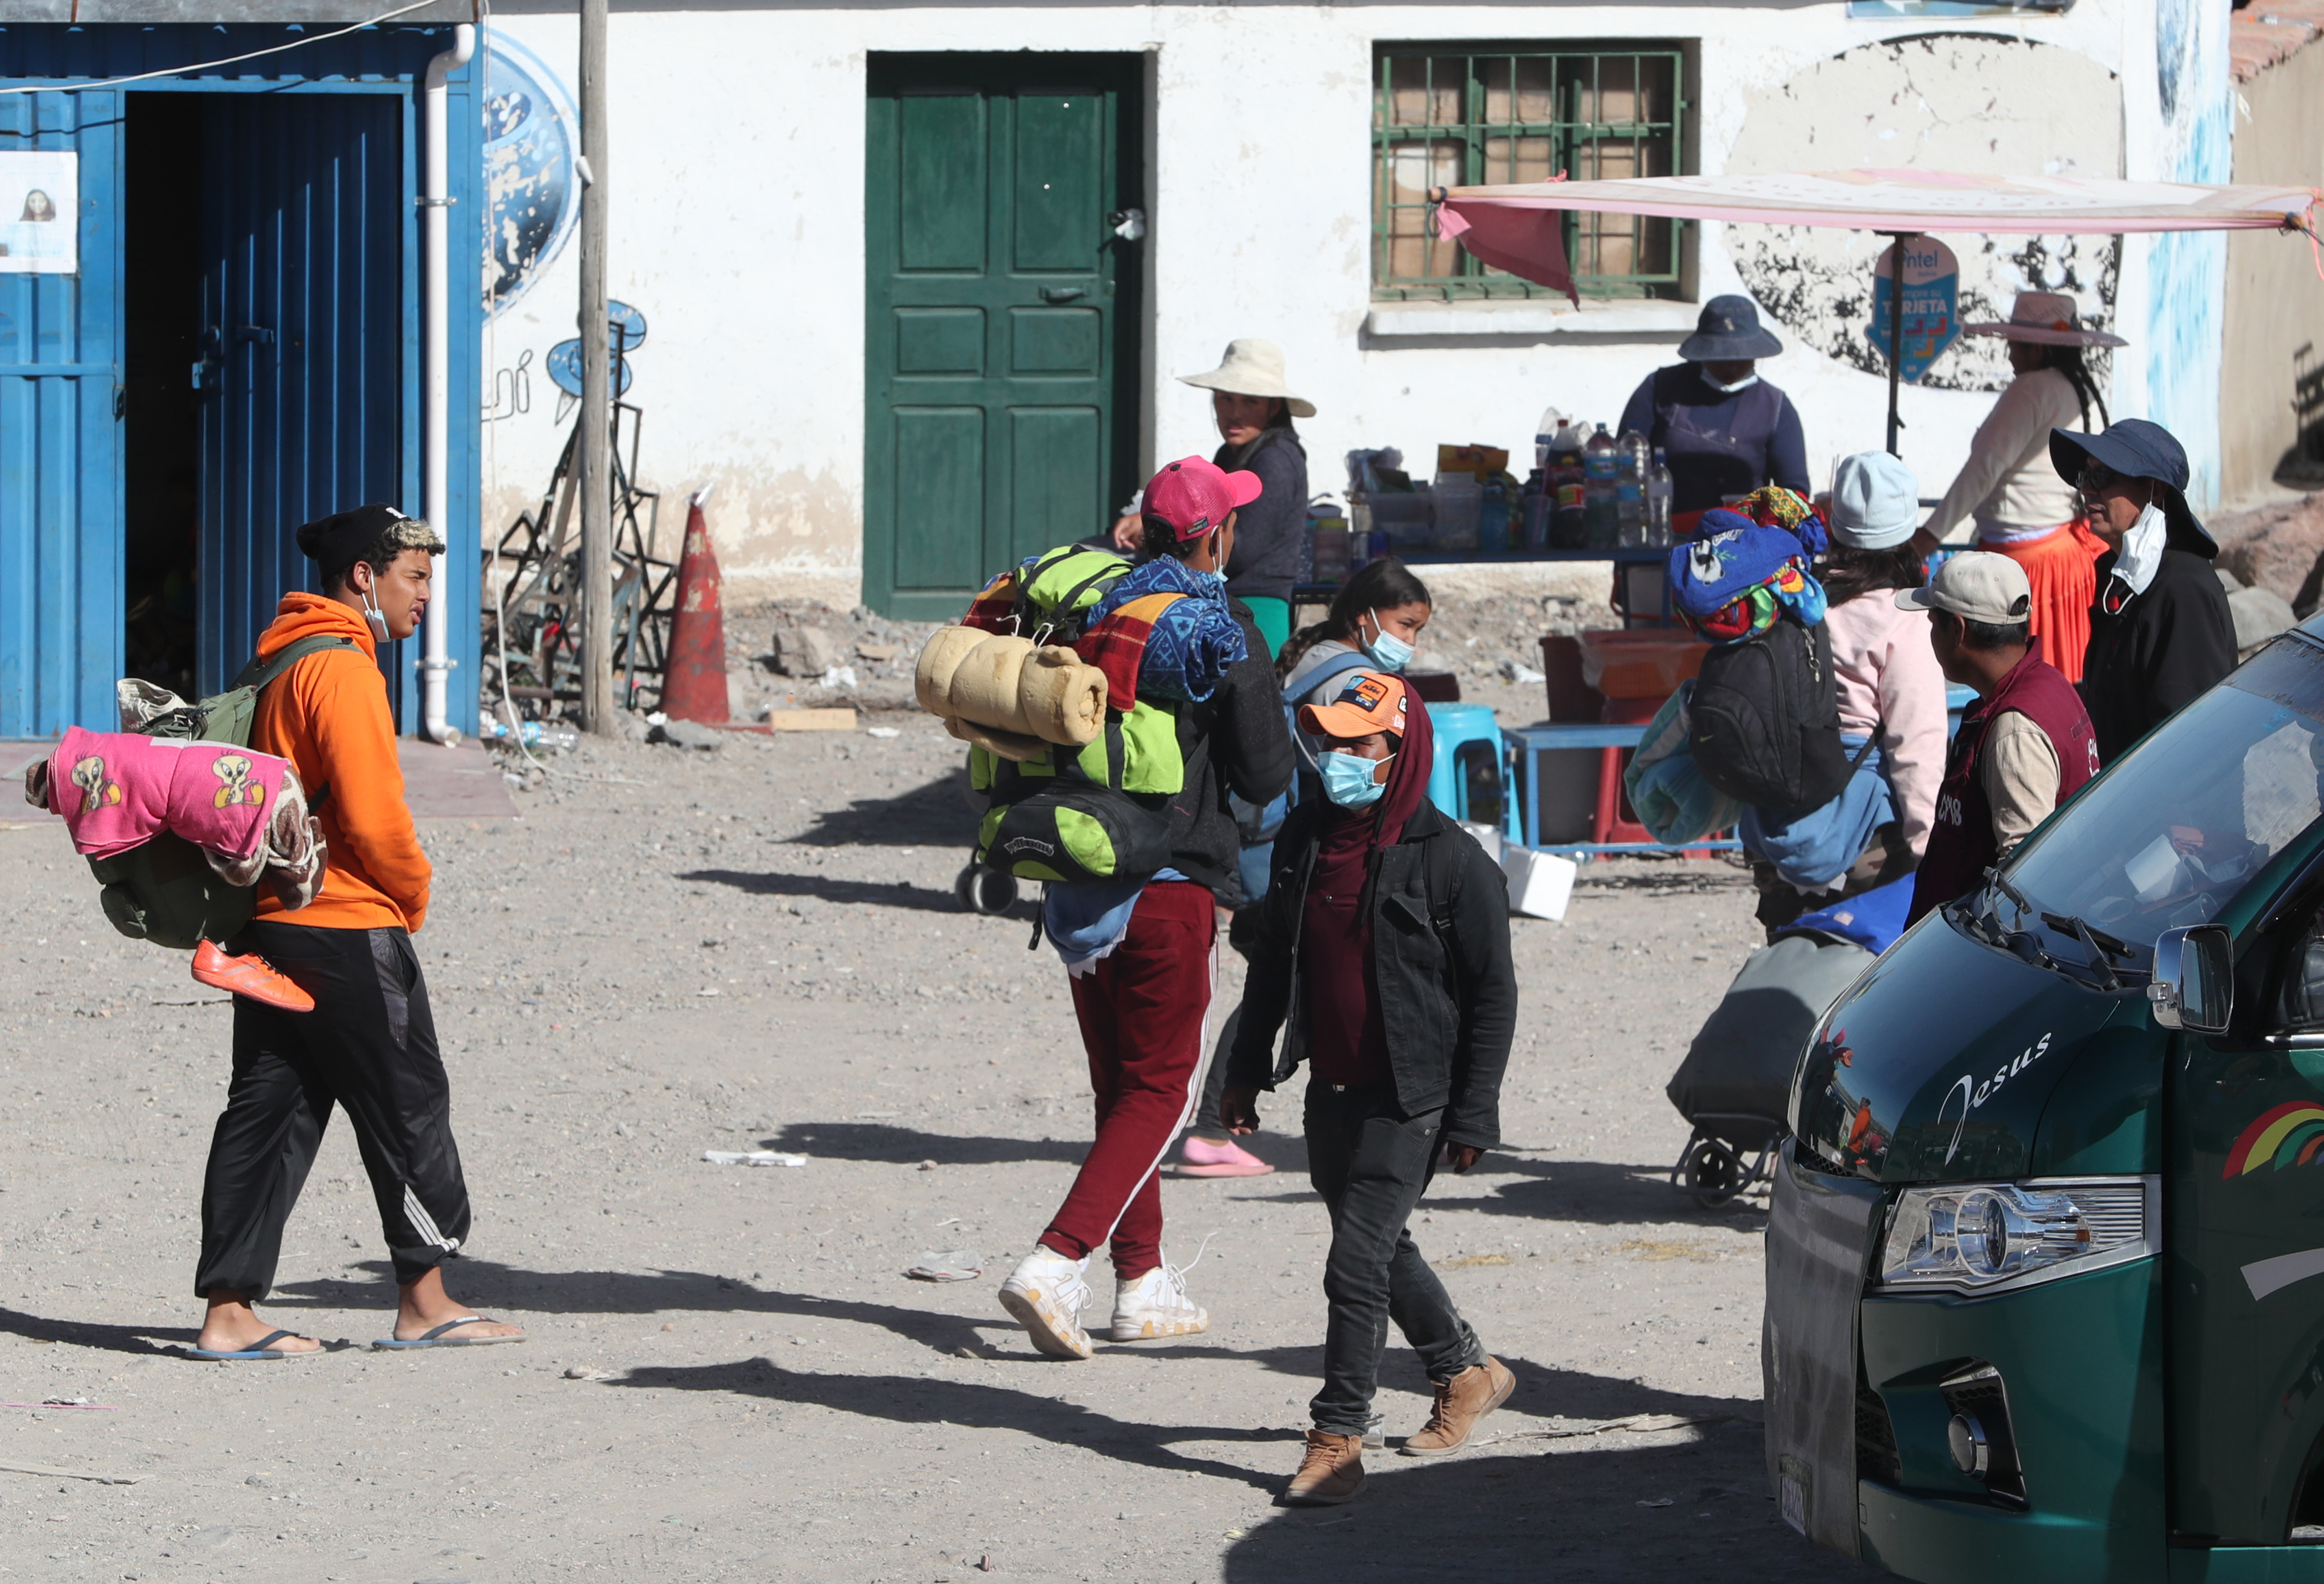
{"x": 1875, "y": 1440}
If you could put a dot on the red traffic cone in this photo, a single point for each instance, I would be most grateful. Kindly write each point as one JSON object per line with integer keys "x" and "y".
{"x": 694, "y": 682}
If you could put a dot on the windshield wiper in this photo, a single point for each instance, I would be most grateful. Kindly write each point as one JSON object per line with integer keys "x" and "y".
{"x": 2103, "y": 946}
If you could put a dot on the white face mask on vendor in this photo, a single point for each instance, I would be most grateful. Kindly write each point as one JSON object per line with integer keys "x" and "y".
{"x": 1745, "y": 383}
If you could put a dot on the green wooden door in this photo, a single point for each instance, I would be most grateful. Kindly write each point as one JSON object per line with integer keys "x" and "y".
{"x": 1000, "y": 333}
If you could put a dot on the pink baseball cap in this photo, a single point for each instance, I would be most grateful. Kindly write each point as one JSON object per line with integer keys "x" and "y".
{"x": 1193, "y": 497}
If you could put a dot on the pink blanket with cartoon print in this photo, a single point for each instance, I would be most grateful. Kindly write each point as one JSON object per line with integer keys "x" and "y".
{"x": 116, "y": 788}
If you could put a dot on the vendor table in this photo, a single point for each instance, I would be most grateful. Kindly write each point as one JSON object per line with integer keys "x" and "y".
{"x": 1528, "y": 743}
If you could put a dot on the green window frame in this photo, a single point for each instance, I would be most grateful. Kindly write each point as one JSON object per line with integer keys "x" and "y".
{"x": 1454, "y": 115}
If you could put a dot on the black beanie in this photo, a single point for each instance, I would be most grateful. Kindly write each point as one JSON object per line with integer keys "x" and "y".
{"x": 345, "y": 538}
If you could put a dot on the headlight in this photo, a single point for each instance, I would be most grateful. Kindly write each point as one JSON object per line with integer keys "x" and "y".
{"x": 1975, "y": 1236}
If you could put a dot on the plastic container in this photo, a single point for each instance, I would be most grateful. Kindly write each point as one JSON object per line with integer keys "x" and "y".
{"x": 1458, "y": 501}
{"x": 1634, "y": 461}
{"x": 532, "y": 733}
{"x": 1545, "y": 436}
{"x": 1660, "y": 487}
{"x": 1600, "y": 466}
{"x": 1493, "y": 522}
{"x": 1537, "y": 505}
{"x": 1540, "y": 884}
{"x": 1330, "y": 555}
{"x": 1638, "y": 665}
{"x": 1568, "y": 517}
{"x": 1404, "y": 519}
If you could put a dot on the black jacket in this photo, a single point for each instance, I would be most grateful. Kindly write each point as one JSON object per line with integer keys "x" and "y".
{"x": 2155, "y": 655}
{"x": 1266, "y": 562}
{"x": 1448, "y": 989}
{"x": 1234, "y": 740}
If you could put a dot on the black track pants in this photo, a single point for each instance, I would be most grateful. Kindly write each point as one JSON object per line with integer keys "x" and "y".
{"x": 369, "y": 1046}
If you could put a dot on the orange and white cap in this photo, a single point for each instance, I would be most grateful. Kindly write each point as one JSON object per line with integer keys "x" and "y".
{"x": 1371, "y": 701}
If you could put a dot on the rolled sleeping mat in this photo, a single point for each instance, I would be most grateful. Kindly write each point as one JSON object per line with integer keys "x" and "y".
{"x": 940, "y": 656}
{"x": 983, "y": 688}
{"x": 1060, "y": 698}
{"x": 1009, "y": 745}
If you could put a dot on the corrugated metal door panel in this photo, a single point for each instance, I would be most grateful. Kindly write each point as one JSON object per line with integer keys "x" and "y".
{"x": 303, "y": 302}
{"x": 61, "y": 459}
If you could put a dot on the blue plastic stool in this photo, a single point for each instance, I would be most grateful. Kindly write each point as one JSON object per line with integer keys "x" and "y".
{"x": 1466, "y": 781}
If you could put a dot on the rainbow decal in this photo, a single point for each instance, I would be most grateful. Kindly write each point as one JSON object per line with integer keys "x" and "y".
{"x": 2288, "y": 1135}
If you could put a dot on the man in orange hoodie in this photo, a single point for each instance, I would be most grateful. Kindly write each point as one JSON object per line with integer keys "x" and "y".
{"x": 370, "y": 1043}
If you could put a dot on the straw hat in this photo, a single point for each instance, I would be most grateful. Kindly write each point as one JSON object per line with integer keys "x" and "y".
{"x": 2048, "y": 318}
{"x": 1252, "y": 368}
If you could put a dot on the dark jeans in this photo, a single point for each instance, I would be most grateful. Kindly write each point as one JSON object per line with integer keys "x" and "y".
{"x": 1371, "y": 1163}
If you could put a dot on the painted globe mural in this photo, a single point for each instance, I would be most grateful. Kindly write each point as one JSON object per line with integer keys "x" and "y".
{"x": 530, "y": 136}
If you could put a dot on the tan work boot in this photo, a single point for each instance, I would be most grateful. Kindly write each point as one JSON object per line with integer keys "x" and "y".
{"x": 1461, "y": 1403}
{"x": 1331, "y": 1473}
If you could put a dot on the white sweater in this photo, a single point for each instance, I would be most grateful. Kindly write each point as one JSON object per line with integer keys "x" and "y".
{"x": 2007, "y": 483}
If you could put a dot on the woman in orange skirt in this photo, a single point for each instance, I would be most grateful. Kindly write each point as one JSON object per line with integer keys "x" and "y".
{"x": 2021, "y": 507}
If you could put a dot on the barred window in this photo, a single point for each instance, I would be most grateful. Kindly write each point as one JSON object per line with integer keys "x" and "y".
{"x": 1475, "y": 115}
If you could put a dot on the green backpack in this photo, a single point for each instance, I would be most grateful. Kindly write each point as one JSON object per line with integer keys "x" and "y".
{"x": 1096, "y": 813}
{"x": 164, "y": 890}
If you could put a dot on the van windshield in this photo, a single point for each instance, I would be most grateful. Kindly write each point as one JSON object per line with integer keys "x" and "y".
{"x": 2197, "y": 809}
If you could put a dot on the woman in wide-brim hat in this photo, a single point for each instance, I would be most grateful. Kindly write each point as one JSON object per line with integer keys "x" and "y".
{"x": 2021, "y": 508}
{"x": 1723, "y": 430}
{"x": 1254, "y": 409}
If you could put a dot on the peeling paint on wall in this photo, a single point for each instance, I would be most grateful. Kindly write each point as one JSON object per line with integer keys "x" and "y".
{"x": 1945, "y": 102}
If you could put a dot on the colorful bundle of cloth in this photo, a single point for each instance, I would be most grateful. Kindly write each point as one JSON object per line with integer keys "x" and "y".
{"x": 1747, "y": 565}
{"x": 1183, "y": 645}
{"x": 245, "y": 811}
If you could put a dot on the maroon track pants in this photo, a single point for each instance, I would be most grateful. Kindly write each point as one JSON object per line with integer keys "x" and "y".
{"x": 1141, "y": 1016}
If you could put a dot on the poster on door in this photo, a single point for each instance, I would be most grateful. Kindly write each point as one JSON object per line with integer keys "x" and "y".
{"x": 40, "y": 213}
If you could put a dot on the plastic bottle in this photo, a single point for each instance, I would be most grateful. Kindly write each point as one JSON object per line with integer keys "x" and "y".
{"x": 1568, "y": 527}
{"x": 1633, "y": 461}
{"x": 1540, "y": 502}
{"x": 1600, "y": 467}
{"x": 1544, "y": 436}
{"x": 532, "y": 733}
{"x": 1660, "y": 487}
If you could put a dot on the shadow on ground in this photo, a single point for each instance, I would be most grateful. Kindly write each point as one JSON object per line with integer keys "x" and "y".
{"x": 1512, "y": 1510}
{"x": 907, "y": 1146}
{"x": 824, "y": 888}
{"x": 936, "y": 815}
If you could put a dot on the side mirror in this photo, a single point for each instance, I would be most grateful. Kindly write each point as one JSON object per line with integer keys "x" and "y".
{"x": 2193, "y": 987}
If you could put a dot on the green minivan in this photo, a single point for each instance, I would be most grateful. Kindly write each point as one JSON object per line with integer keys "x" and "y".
{"x": 2045, "y": 1256}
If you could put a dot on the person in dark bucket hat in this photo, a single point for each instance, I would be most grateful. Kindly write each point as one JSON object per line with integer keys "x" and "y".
{"x": 2161, "y": 632}
{"x": 1723, "y": 429}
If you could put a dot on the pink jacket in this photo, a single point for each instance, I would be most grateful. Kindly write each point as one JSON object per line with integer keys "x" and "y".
{"x": 1888, "y": 673}
{"x": 116, "y": 788}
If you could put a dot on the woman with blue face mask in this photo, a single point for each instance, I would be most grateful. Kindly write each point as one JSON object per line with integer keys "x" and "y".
{"x": 1375, "y": 621}
{"x": 1404, "y": 1032}
{"x": 1724, "y": 430}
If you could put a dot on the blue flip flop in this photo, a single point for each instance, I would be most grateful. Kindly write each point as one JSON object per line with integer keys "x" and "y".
{"x": 437, "y": 1338}
{"x": 250, "y": 1354}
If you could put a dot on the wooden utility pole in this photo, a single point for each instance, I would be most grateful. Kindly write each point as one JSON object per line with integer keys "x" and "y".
{"x": 596, "y": 401}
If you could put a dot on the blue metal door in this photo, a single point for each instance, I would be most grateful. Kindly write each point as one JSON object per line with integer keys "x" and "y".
{"x": 304, "y": 337}
{"x": 61, "y": 458}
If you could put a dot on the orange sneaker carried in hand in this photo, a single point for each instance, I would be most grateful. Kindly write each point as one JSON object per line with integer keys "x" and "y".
{"x": 250, "y": 976}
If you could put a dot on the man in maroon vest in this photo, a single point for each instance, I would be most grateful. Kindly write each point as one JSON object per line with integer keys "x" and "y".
{"x": 2025, "y": 747}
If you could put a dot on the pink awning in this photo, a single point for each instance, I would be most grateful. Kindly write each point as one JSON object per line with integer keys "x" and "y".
{"x": 1519, "y": 229}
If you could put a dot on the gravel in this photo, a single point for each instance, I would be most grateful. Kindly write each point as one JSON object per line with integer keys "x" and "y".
{"x": 729, "y": 1375}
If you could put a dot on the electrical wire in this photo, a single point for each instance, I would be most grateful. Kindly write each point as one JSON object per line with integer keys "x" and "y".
{"x": 69, "y": 86}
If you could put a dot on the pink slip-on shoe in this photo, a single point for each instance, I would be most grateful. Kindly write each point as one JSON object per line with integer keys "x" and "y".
{"x": 1220, "y": 1157}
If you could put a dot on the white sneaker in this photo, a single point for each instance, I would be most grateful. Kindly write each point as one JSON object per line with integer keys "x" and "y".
{"x": 1044, "y": 1292}
{"x": 1156, "y": 1305}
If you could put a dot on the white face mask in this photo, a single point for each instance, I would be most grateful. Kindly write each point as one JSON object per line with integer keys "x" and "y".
{"x": 374, "y": 617}
{"x": 2142, "y": 549}
{"x": 1745, "y": 383}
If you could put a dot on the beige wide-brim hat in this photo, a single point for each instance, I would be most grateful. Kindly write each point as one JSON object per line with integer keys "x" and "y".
{"x": 1252, "y": 368}
{"x": 2048, "y": 318}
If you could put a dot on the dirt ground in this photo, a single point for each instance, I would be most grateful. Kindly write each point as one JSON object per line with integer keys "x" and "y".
{"x": 728, "y": 1376}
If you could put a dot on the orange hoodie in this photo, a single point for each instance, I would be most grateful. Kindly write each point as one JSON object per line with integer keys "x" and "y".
{"x": 329, "y": 716}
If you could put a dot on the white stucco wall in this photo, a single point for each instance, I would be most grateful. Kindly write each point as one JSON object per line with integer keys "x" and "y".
{"x": 737, "y": 183}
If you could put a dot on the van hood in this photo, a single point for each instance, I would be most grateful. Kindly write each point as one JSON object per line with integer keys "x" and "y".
{"x": 1952, "y": 1060}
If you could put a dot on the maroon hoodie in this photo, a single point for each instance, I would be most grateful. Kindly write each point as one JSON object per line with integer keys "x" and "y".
{"x": 1347, "y": 1040}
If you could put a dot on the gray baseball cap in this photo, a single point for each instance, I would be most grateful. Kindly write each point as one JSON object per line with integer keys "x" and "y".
{"x": 1977, "y": 585}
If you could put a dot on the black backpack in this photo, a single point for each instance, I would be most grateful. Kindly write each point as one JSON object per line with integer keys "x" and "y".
{"x": 1765, "y": 721}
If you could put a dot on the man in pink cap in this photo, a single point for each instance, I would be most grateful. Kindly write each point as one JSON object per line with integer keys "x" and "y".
{"x": 1143, "y": 959}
